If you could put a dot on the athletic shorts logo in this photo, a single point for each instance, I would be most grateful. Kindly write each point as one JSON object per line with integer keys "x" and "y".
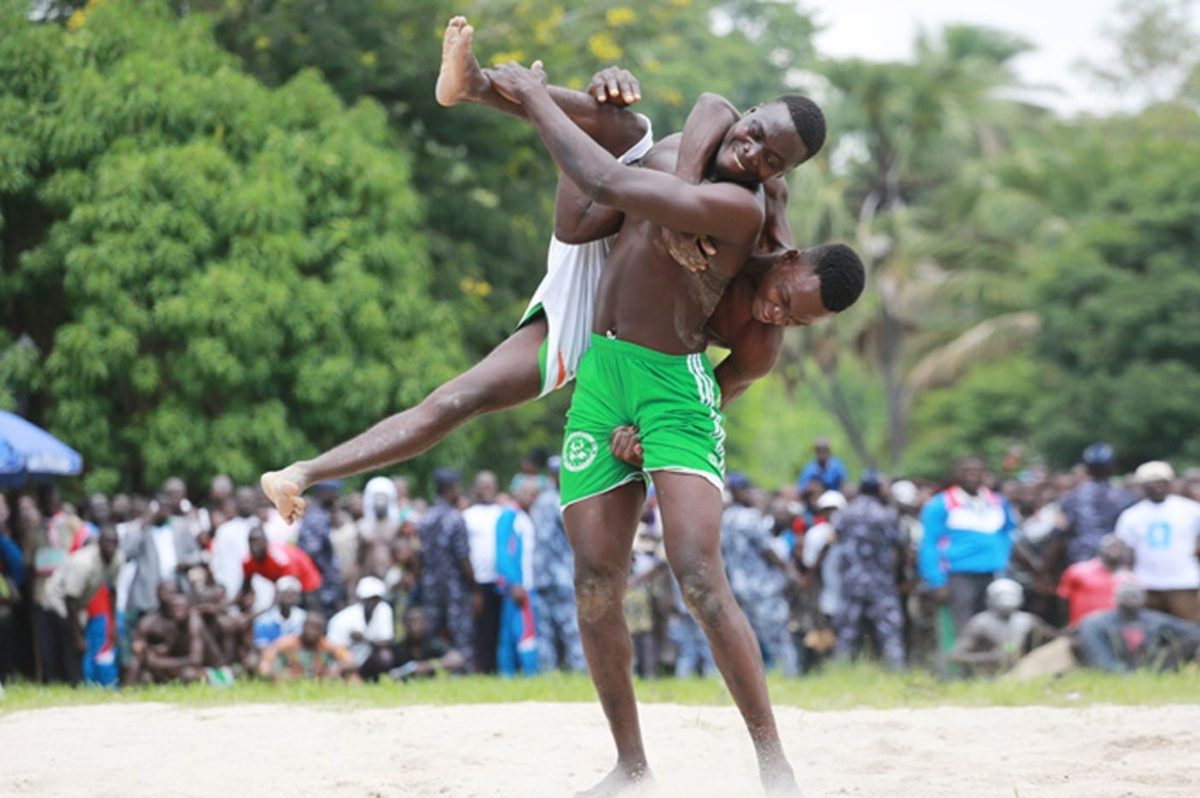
{"x": 579, "y": 450}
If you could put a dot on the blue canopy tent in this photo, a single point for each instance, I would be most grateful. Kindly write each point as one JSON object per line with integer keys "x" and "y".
{"x": 29, "y": 452}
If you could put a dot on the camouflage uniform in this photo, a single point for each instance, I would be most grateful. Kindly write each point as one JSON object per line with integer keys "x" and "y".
{"x": 870, "y": 537}
{"x": 445, "y": 592}
{"x": 758, "y": 586}
{"x": 1091, "y": 512}
{"x": 554, "y": 587}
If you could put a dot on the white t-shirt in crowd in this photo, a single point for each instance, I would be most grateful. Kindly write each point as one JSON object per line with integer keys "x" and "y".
{"x": 1163, "y": 537}
{"x": 168, "y": 558}
{"x": 381, "y": 630}
{"x": 481, "y": 522}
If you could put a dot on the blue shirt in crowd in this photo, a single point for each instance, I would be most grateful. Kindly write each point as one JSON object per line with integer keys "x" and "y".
{"x": 965, "y": 534}
{"x": 832, "y": 474}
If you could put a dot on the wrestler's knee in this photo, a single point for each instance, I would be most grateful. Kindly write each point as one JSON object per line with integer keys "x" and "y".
{"x": 598, "y": 593}
{"x": 703, "y": 587}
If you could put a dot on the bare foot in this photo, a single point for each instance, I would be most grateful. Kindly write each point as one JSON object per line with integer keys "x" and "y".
{"x": 460, "y": 78}
{"x": 283, "y": 488}
{"x": 779, "y": 781}
{"x": 622, "y": 779}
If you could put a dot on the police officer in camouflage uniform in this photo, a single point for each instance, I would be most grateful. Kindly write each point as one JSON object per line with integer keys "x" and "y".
{"x": 757, "y": 575}
{"x": 554, "y": 583}
{"x": 448, "y": 589}
{"x": 1089, "y": 512}
{"x": 872, "y": 545}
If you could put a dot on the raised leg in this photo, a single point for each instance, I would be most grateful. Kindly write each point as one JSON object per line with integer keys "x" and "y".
{"x": 601, "y": 531}
{"x": 508, "y": 376}
{"x": 691, "y": 512}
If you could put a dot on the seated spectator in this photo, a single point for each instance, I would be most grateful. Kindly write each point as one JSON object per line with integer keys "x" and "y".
{"x": 308, "y": 655}
{"x": 168, "y": 645}
{"x": 420, "y": 655}
{"x": 285, "y": 618}
{"x": 993, "y": 641}
{"x": 68, "y": 592}
{"x": 1090, "y": 586}
{"x": 276, "y": 560}
{"x": 1132, "y": 637}
{"x": 366, "y": 629}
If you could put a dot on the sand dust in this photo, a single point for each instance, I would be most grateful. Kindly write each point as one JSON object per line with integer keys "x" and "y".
{"x": 533, "y": 750}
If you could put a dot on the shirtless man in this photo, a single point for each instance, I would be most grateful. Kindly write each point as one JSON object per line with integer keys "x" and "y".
{"x": 646, "y": 367}
{"x": 168, "y": 645}
{"x": 515, "y": 372}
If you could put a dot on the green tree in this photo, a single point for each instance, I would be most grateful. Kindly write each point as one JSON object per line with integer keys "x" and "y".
{"x": 214, "y": 275}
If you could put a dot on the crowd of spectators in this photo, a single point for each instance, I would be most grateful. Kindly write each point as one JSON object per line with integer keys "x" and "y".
{"x": 977, "y": 576}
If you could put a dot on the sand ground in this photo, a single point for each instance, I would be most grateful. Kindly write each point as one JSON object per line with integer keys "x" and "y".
{"x": 533, "y": 750}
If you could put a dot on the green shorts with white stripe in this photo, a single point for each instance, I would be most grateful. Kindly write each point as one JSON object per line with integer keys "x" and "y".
{"x": 673, "y": 400}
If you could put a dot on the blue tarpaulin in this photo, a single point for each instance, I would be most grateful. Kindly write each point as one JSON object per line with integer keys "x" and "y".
{"x": 29, "y": 452}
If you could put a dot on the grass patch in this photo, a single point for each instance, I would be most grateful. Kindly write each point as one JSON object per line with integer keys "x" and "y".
{"x": 835, "y": 688}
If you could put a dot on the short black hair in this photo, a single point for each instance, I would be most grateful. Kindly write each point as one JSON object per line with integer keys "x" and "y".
{"x": 841, "y": 273}
{"x": 808, "y": 119}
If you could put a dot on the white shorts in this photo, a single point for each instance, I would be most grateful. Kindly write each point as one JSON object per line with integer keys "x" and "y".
{"x": 567, "y": 295}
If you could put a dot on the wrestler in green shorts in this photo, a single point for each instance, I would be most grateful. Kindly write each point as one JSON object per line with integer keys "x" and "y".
{"x": 673, "y": 400}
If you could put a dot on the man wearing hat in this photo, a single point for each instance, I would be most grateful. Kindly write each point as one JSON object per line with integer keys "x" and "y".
{"x": 366, "y": 628}
{"x": 1163, "y": 530}
{"x": 872, "y": 548}
{"x": 448, "y": 588}
{"x": 1089, "y": 512}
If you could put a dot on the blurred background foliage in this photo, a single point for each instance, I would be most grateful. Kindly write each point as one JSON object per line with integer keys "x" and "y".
{"x": 236, "y": 231}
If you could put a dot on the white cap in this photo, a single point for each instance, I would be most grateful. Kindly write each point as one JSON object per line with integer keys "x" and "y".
{"x": 831, "y": 499}
{"x": 1154, "y": 471}
{"x": 287, "y": 583}
{"x": 905, "y": 492}
{"x": 1005, "y": 594}
{"x": 370, "y": 587}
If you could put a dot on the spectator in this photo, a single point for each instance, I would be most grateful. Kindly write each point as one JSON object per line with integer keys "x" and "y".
{"x": 1090, "y": 586}
{"x": 378, "y": 528}
{"x": 12, "y": 578}
{"x": 820, "y": 557}
{"x": 273, "y": 561}
{"x": 315, "y": 539}
{"x": 481, "y": 519}
{"x": 530, "y": 470}
{"x": 184, "y": 514}
{"x": 1089, "y": 511}
{"x": 645, "y": 566}
{"x": 1132, "y": 637}
{"x": 100, "y": 659}
{"x": 517, "y": 645}
{"x": 992, "y": 641}
{"x": 967, "y": 541}
{"x": 1163, "y": 531}
{"x": 162, "y": 547}
{"x": 420, "y": 655}
{"x": 448, "y": 589}
{"x": 285, "y": 618}
{"x": 367, "y": 628}
{"x": 826, "y": 468}
{"x": 220, "y": 504}
{"x": 67, "y": 594}
{"x": 308, "y": 655}
{"x": 231, "y": 546}
{"x": 559, "y": 645}
{"x": 52, "y": 538}
{"x": 168, "y": 646}
{"x": 758, "y": 576}
{"x": 872, "y": 554}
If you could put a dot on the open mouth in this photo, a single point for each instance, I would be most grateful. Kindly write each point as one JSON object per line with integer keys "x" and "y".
{"x": 741, "y": 166}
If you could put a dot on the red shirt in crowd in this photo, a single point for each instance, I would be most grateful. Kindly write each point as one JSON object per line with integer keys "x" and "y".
{"x": 1088, "y": 587}
{"x": 282, "y": 560}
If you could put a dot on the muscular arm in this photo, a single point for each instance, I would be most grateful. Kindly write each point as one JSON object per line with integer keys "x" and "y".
{"x": 752, "y": 355}
{"x": 725, "y": 211}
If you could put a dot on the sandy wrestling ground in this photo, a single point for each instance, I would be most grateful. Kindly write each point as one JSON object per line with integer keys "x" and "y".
{"x": 533, "y": 750}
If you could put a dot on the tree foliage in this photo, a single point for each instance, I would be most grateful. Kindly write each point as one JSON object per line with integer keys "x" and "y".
{"x": 217, "y": 276}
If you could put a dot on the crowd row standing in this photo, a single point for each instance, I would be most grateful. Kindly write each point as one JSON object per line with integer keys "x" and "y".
{"x": 375, "y": 584}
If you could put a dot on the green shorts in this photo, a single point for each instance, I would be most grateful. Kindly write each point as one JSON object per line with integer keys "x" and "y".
{"x": 673, "y": 400}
